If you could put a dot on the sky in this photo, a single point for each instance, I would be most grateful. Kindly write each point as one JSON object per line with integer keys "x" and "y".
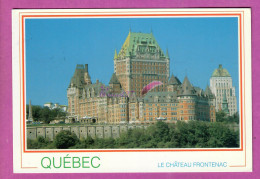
{"x": 54, "y": 47}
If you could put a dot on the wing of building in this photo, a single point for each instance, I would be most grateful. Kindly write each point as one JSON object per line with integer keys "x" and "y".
{"x": 139, "y": 62}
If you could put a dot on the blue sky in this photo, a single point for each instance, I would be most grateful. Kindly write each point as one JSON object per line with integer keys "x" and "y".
{"x": 55, "y": 46}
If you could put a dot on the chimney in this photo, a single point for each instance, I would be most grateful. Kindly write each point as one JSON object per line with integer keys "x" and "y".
{"x": 86, "y": 67}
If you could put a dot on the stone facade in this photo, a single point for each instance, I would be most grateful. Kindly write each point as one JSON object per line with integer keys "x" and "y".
{"x": 95, "y": 131}
{"x": 221, "y": 85}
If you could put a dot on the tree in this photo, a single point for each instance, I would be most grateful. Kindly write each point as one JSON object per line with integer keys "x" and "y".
{"x": 222, "y": 136}
{"x": 65, "y": 139}
{"x": 234, "y": 118}
{"x": 45, "y": 114}
{"x": 161, "y": 132}
{"x": 38, "y": 143}
{"x": 221, "y": 116}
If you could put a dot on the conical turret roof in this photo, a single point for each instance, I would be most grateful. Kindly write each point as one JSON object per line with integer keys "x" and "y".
{"x": 187, "y": 88}
{"x": 208, "y": 91}
{"x": 78, "y": 78}
{"x": 174, "y": 80}
{"x": 114, "y": 79}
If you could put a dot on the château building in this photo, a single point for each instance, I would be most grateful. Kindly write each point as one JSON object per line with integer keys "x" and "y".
{"x": 222, "y": 88}
{"x": 139, "y": 62}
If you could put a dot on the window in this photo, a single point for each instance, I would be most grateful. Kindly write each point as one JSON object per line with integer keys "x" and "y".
{"x": 191, "y": 111}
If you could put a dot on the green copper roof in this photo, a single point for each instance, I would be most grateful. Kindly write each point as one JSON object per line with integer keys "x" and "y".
{"x": 114, "y": 79}
{"x": 220, "y": 72}
{"x": 225, "y": 104}
{"x": 142, "y": 42}
{"x": 115, "y": 56}
{"x": 174, "y": 80}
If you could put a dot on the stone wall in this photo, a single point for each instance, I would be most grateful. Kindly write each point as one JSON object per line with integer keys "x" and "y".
{"x": 95, "y": 131}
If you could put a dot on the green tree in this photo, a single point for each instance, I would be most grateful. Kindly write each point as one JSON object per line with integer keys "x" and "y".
{"x": 32, "y": 144}
{"x": 234, "y": 118}
{"x": 36, "y": 112}
{"x": 38, "y": 143}
{"x": 221, "y": 116}
{"x": 65, "y": 139}
{"x": 222, "y": 136}
{"x": 45, "y": 115}
{"x": 161, "y": 133}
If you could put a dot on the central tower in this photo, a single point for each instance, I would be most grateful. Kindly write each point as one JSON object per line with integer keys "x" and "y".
{"x": 141, "y": 61}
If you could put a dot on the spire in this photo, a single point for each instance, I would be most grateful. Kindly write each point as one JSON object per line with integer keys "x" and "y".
{"x": 151, "y": 30}
{"x": 167, "y": 53}
{"x": 30, "y": 111}
{"x": 225, "y": 104}
{"x": 115, "y": 56}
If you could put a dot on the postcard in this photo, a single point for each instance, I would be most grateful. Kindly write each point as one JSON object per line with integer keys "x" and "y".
{"x": 132, "y": 90}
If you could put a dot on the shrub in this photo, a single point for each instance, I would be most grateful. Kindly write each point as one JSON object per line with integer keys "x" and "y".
{"x": 65, "y": 139}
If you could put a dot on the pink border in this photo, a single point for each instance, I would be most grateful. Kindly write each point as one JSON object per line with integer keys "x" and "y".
{"x": 6, "y": 166}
